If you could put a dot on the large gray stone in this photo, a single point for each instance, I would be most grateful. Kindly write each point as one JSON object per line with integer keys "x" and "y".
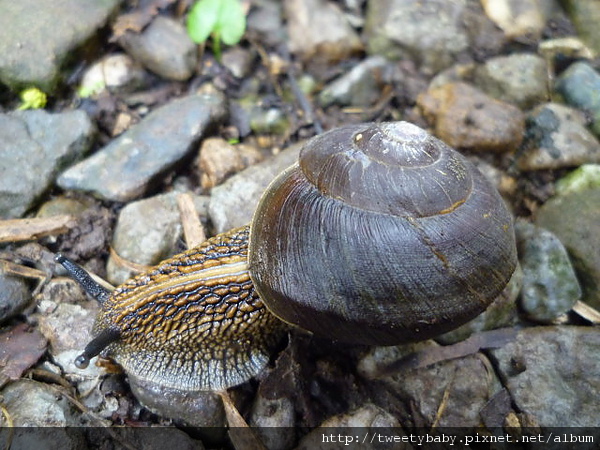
{"x": 34, "y": 147}
{"x": 125, "y": 168}
{"x": 37, "y": 36}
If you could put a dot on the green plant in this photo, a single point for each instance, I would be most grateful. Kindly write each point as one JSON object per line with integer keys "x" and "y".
{"x": 32, "y": 98}
{"x": 223, "y": 20}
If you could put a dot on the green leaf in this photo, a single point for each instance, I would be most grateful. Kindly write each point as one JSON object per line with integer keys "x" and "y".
{"x": 202, "y": 19}
{"x": 231, "y": 24}
{"x": 32, "y": 98}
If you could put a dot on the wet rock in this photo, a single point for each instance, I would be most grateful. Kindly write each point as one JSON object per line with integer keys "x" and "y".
{"x": 117, "y": 73}
{"x": 219, "y": 159}
{"x": 33, "y": 48}
{"x": 574, "y": 218}
{"x": 580, "y": 87}
{"x": 550, "y": 287}
{"x": 552, "y": 373}
{"x": 462, "y": 385}
{"x": 584, "y": 177}
{"x": 147, "y": 232}
{"x": 501, "y": 313}
{"x": 556, "y": 137}
{"x": 126, "y": 167}
{"x": 232, "y": 203}
{"x": 520, "y": 18}
{"x": 33, "y": 404}
{"x": 585, "y": 15}
{"x": 318, "y": 30}
{"x": 198, "y": 409}
{"x": 428, "y": 32}
{"x": 367, "y": 418}
{"x": 361, "y": 86}
{"x": 164, "y": 47}
{"x": 466, "y": 118}
{"x": 36, "y": 145}
{"x": 14, "y": 296}
{"x": 520, "y": 79}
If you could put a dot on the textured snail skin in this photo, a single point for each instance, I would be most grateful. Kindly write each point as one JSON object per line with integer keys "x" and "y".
{"x": 194, "y": 322}
{"x": 381, "y": 234}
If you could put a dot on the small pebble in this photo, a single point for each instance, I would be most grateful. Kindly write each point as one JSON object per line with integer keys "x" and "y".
{"x": 164, "y": 47}
{"x": 575, "y": 219}
{"x": 319, "y": 30}
{"x": 556, "y": 137}
{"x": 218, "y": 160}
{"x": 361, "y": 86}
{"x": 117, "y": 73}
{"x": 519, "y": 78}
{"x": 585, "y": 15}
{"x": 466, "y": 118}
{"x": 580, "y": 87}
{"x": 147, "y": 231}
{"x": 550, "y": 286}
{"x": 430, "y": 33}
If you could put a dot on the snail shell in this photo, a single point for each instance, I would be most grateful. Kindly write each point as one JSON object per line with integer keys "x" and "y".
{"x": 381, "y": 234}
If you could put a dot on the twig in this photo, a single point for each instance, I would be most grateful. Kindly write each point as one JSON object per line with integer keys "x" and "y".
{"x": 15, "y": 230}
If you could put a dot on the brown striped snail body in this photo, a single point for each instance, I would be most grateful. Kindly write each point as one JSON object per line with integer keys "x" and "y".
{"x": 381, "y": 234}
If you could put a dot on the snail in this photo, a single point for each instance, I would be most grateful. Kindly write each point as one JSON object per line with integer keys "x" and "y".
{"x": 381, "y": 234}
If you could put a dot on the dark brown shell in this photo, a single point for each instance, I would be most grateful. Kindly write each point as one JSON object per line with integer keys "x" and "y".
{"x": 382, "y": 234}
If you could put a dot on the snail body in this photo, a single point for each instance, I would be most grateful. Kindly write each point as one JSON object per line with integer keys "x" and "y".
{"x": 380, "y": 235}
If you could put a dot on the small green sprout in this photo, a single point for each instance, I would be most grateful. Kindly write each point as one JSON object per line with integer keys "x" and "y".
{"x": 32, "y": 98}
{"x": 224, "y": 20}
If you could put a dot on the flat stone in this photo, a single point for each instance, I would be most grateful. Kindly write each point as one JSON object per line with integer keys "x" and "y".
{"x": 553, "y": 374}
{"x": 575, "y": 219}
{"x": 125, "y": 168}
{"x": 430, "y": 33}
{"x": 34, "y": 44}
{"x": 557, "y": 137}
{"x": 466, "y": 118}
{"x": 36, "y": 145}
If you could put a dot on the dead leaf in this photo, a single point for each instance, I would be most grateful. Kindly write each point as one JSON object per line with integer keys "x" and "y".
{"x": 20, "y": 348}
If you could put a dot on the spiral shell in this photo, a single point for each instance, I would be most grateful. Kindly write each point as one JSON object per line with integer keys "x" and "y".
{"x": 381, "y": 234}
